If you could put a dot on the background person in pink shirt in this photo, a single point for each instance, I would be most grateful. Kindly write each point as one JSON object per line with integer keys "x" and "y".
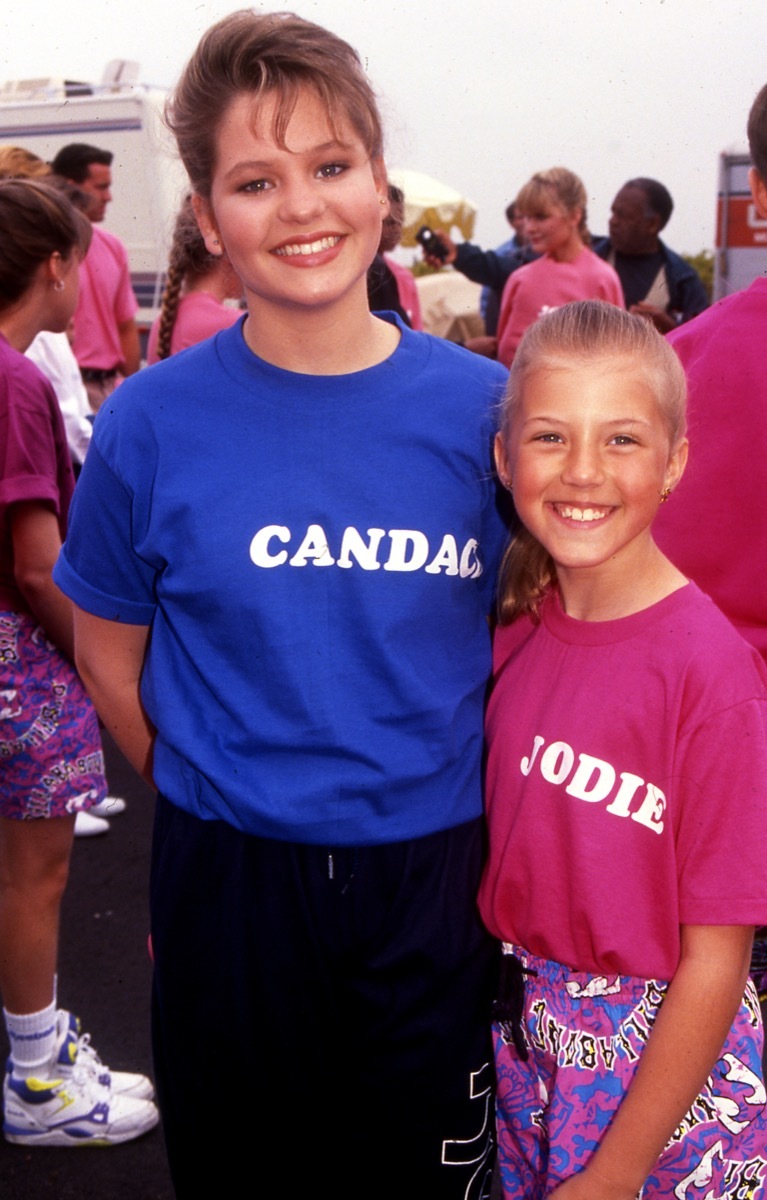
{"x": 553, "y": 204}
{"x": 106, "y": 343}
{"x": 196, "y": 286}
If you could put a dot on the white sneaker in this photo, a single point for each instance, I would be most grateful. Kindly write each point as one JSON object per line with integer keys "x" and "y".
{"x": 86, "y": 825}
{"x": 110, "y": 806}
{"x": 72, "y": 1112}
{"x": 74, "y": 1049}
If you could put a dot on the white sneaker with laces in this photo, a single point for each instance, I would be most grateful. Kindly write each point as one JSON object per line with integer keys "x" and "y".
{"x": 77, "y": 1111}
{"x": 74, "y": 1049}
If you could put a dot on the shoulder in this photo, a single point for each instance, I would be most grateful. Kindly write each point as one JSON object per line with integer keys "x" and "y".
{"x": 717, "y": 667}
{"x": 681, "y": 268}
{"x": 22, "y": 380}
{"x": 601, "y": 246}
{"x": 106, "y": 245}
{"x": 509, "y": 640}
{"x": 590, "y": 261}
{"x": 439, "y": 371}
{"x": 740, "y": 314}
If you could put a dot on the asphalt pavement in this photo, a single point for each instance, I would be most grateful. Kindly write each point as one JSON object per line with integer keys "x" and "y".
{"x": 104, "y": 977}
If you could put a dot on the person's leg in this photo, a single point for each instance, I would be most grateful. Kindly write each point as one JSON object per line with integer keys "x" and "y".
{"x": 244, "y": 1027}
{"x": 421, "y": 981}
{"x": 56, "y": 1090}
{"x": 34, "y": 865}
{"x": 321, "y": 1018}
{"x": 721, "y": 1145}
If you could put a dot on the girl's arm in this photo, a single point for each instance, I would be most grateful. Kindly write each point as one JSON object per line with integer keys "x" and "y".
{"x": 685, "y": 1043}
{"x": 110, "y": 656}
{"x": 36, "y": 544}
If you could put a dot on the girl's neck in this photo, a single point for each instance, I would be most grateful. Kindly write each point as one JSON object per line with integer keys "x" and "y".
{"x": 19, "y": 326}
{"x": 612, "y": 591}
{"x": 321, "y": 341}
{"x": 215, "y": 284}
{"x": 570, "y": 251}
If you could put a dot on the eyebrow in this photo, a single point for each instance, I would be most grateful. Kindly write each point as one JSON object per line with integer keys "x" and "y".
{"x": 618, "y": 423}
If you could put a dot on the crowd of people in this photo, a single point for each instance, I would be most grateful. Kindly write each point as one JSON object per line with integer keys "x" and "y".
{"x": 460, "y": 839}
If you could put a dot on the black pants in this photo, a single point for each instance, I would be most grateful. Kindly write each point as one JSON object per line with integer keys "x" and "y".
{"x": 321, "y": 1016}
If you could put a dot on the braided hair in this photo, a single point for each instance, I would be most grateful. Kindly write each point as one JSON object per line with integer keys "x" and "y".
{"x": 189, "y": 258}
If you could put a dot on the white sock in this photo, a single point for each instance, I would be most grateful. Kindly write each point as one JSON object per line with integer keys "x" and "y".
{"x": 33, "y": 1038}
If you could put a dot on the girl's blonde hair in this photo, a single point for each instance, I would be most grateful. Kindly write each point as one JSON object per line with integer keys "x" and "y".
{"x": 556, "y": 186}
{"x": 260, "y": 54}
{"x": 575, "y": 333}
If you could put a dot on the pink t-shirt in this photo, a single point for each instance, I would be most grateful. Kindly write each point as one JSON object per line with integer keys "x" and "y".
{"x": 545, "y": 284}
{"x": 199, "y": 316}
{"x": 34, "y": 457}
{"x": 106, "y": 302}
{"x": 408, "y": 292}
{"x": 626, "y": 786}
{"x": 714, "y": 527}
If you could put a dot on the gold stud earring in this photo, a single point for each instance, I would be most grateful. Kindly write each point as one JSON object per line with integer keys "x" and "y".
{"x": 665, "y": 495}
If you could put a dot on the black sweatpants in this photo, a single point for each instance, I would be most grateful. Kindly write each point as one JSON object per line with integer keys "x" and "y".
{"x": 321, "y": 1015}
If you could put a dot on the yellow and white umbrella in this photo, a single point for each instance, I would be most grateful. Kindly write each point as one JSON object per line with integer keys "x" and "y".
{"x": 429, "y": 202}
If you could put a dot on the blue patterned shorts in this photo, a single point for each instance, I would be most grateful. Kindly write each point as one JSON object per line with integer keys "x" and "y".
{"x": 51, "y": 761}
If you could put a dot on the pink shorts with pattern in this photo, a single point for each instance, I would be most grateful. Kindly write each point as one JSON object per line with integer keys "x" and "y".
{"x": 51, "y": 761}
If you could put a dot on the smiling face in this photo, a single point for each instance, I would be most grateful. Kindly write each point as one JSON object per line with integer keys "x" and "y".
{"x": 588, "y": 454}
{"x": 301, "y": 222}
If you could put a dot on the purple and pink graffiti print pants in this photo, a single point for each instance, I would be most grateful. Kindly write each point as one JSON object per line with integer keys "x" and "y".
{"x": 584, "y": 1035}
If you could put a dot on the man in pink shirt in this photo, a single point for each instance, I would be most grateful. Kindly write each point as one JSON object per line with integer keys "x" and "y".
{"x": 106, "y": 342}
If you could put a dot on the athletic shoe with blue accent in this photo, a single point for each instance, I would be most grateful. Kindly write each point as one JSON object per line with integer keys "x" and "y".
{"x": 76, "y": 1111}
{"x": 74, "y": 1047}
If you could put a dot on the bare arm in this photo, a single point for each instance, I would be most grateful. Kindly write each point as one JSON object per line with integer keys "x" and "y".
{"x": 36, "y": 545}
{"x": 685, "y": 1043}
{"x": 131, "y": 347}
{"x": 110, "y": 657}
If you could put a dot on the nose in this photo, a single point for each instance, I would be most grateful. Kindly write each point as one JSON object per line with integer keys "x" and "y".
{"x": 301, "y": 201}
{"x": 583, "y": 466}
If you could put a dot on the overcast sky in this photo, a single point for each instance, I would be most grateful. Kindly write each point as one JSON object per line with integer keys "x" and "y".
{"x": 482, "y": 93}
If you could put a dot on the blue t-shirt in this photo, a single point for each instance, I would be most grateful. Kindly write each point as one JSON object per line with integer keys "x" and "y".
{"x": 316, "y": 557}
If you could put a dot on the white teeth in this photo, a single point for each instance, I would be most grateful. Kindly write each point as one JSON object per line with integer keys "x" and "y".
{"x": 581, "y": 514}
{"x": 307, "y": 248}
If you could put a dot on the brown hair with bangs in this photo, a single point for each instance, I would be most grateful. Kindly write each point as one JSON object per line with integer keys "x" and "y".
{"x": 259, "y": 54}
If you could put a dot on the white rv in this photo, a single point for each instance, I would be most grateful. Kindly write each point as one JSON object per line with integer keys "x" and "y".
{"x": 123, "y": 116}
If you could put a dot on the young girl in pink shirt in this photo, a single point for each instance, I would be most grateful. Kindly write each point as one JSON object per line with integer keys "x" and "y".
{"x": 627, "y": 761}
{"x": 554, "y": 207}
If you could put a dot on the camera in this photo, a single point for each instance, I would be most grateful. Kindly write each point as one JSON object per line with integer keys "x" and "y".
{"x": 429, "y": 241}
